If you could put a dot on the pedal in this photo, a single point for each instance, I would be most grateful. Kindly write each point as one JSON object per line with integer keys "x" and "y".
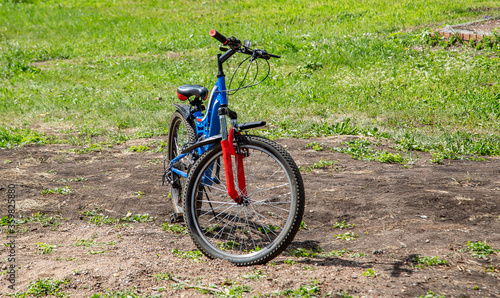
{"x": 176, "y": 217}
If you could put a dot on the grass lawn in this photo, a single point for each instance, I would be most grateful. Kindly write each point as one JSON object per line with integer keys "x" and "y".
{"x": 108, "y": 70}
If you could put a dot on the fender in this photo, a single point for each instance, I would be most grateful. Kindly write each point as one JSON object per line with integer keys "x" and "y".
{"x": 183, "y": 109}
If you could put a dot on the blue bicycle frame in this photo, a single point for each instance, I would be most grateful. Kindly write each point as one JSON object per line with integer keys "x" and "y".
{"x": 211, "y": 123}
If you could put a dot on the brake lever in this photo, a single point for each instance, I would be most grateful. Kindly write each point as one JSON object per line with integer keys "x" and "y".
{"x": 223, "y": 49}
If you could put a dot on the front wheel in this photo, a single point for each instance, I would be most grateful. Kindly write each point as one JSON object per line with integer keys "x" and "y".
{"x": 260, "y": 228}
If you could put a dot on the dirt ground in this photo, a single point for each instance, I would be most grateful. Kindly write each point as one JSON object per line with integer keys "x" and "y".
{"x": 399, "y": 212}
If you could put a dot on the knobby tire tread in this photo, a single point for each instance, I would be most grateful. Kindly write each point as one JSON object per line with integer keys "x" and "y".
{"x": 299, "y": 211}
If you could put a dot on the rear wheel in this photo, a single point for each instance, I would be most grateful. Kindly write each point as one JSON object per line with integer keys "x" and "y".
{"x": 257, "y": 230}
{"x": 180, "y": 134}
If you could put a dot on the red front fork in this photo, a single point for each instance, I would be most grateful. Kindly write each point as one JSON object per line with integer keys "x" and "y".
{"x": 227, "y": 152}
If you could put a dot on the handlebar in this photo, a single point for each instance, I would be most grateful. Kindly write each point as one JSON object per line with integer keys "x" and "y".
{"x": 218, "y": 36}
{"x": 235, "y": 45}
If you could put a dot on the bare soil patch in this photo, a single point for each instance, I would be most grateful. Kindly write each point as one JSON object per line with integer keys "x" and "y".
{"x": 398, "y": 212}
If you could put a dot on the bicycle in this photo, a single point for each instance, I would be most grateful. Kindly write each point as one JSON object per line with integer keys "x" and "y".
{"x": 246, "y": 211}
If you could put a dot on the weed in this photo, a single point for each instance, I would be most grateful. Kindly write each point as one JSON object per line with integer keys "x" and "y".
{"x": 91, "y": 243}
{"x": 343, "y": 225}
{"x": 174, "y": 228}
{"x": 92, "y": 252}
{"x": 428, "y": 261}
{"x": 358, "y": 255}
{"x": 233, "y": 291}
{"x": 303, "y": 252}
{"x": 369, "y": 273}
{"x": 228, "y": 245}
{"x": 361, "y": 149}
{"x": 60, "y": 190}
{"x": 194, "y": 255}
{"x": 16, "y": 137}
{"x": 139, "y": 194}
{"x": 43, "y": 287}
{"x": 96, "y": 217}
{"x": 290, "y": 262}
{"x": 344, "y": 294}
{"x": 431, "y": 294}
{"x": 309, "y": 290}
{"x": 480, "y": 249}
{"x": 269, "y": 229}
{"x": 303, "y": 226}
{"x": 315, "y": 146}
{"x": 139, "y": 148}
{"x": 90, "y": 148}
{"x": 44, "y": 248}
{"x": 347, "y": 236}
{"x": 254, "y": 275}
{"x": 335, "y": 253}
{"x": 162, "y": 276}
{"x": 321, "y": 165}
{"x": 123, "y": 294}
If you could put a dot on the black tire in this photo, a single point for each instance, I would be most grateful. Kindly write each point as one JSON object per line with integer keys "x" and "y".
{"x": 180, "y": 133}
{"x": 252, "y": 233}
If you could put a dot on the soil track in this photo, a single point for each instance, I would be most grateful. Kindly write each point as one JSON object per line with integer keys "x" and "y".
{"x": 398, "y": 212}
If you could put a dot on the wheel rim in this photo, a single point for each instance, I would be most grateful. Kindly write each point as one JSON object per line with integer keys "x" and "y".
{"x": 236, "y": 230}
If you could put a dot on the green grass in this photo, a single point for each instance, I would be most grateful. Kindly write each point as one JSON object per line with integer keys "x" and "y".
{"x": 105, "y": 71}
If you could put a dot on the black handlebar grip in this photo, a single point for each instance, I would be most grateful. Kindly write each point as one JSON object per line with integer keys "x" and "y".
{"x": 218, "y": 36}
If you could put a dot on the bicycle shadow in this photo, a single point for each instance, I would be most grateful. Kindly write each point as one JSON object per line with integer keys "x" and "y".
{"x": 321, "y": 258}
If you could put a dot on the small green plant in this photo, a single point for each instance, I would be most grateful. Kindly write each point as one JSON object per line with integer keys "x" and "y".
{"x": 480, "y": 249}
{"x": 228, "y": 245}
{"x": 163, "y": 276}
{"x": 314, "y": 146}
{"x": 303, "y": 252}
{"x": 343, "y": 225}
{"x": 361, "y": 149}
{"x": 174, "y": 228}
{"x": 309, "y": 290}
{"x": 96, "y": 217}
{"x": 428, "y": 261}
{"x": 194, "y": 255}
{"x": 139, "y": 194}
{"x": 89, "y": 148}
{"x": 254, "y": 275}
{"x": 303, "y": 226}
{"x": 323, "y": 163}
{"x": 431, "y": 294}
{"x": 358, "y": 255}
{"x": 43, "y": 287}
{"x": 268, "y": 229}
{"x": 344, "y": 294}
{"x": 289, "y": 262}
{"x": 7, "y": 161}
{"x": 44, "y": 248}
{"x": 336, "y": 253}
{"x": 346, "y": 236}
{"x": 139, "y": 148}
{"x": 92, "y": 252}
{"x": 61, "y": 190}
{"x": 369, "y": 273}
{"x": 232, "y": 291}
